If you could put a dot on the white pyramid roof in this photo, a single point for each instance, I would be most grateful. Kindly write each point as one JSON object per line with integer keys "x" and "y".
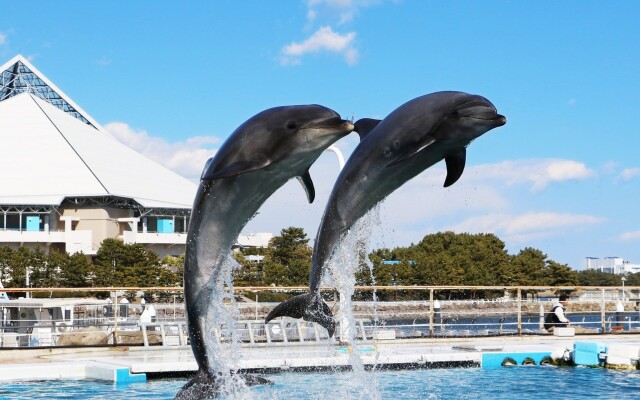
{"x": 18, "y": 76}
{"x": 48, "y": 154}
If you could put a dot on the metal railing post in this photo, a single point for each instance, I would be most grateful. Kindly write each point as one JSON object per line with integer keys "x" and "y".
{"x": 519, "y": 311}
{"x": 603, "y": 325}
{"x": 252, "y": 339}
{"x": 431, "y": 313}
{"x": 163, "y": 334}
{"x": 300, "y": 333}
{"x": 181, "y": 337}
{"x": 115, "y": 323}
{"x": 145, "y": 339}
{"x": 284, "y": 332}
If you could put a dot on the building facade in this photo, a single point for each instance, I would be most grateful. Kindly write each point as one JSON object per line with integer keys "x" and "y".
{"x": 67, "y": 184}
{"x": 612, "y": 265}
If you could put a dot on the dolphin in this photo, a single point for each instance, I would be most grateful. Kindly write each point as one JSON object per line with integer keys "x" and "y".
{"x": 412, "y": 138}
{"x": 259, "y": 157}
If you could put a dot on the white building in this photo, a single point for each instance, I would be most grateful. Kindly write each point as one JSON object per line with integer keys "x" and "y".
{"x": 255, "y": 240}
{"x": 67, "y": 184}
{"x": 612, "y": 265}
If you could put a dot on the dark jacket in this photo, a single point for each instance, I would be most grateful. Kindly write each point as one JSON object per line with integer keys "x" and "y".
{"x": 551, "y": 319}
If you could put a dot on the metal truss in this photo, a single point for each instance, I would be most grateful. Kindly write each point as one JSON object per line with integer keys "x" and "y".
{"x": 123, "y": 202}
{"x": 19, "y": 79}
{"x": 30, "y": 209}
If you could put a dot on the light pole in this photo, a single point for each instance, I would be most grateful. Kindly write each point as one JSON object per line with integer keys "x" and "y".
{"x": 338, "y": 154}
{"x": 344, "y": 323}
{"x": 623, "y": 279}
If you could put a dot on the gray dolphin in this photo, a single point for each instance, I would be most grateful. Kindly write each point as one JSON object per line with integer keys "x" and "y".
{"x": 258, "y": 158}
{"x": 412, "y": 138}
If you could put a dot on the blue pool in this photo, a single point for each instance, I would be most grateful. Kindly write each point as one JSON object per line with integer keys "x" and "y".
{"x": 503, "y": 383}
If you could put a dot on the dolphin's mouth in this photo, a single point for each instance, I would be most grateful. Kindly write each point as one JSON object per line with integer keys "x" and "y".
{"x": 479, "y": 110}
{"x": 331, "y": 123}
{"x": 498, "y": 119}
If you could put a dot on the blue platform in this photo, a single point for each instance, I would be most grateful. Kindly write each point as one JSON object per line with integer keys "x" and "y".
{"x": 588, "y": 353}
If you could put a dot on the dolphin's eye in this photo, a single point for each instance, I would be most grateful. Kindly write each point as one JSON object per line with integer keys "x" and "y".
{"x": 292, "y": 126}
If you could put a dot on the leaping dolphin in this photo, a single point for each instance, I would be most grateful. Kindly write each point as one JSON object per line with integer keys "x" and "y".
{"x": 412, "y": 138}
{"x": 258, "y": 158}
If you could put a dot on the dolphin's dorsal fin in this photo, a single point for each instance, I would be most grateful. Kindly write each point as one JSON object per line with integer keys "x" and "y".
{"x": 455, "y": 166}
{"x": 307, "y": 184}
{"x": 426, "y": 142}
{"x": 365, "y": 125}
{"x": 213, "y": 171}
{"x": 207, "y": 165}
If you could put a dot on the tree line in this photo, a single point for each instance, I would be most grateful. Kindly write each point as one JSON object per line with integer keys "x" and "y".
{"x": 116, "y": 264}
{"x": 443, "y": 258}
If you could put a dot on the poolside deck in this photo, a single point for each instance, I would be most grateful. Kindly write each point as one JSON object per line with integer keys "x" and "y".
{"x": 131, "y": 364}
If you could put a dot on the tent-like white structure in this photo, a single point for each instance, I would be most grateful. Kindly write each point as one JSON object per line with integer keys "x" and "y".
{"x": 67, "y": 183}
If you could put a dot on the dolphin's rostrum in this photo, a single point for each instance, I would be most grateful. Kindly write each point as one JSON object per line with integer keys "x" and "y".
{"x": 258, "y": 158}
{"x": 412, "y": 138}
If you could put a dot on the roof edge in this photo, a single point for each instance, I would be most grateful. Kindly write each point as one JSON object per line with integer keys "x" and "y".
{"x": 22, "y": 59}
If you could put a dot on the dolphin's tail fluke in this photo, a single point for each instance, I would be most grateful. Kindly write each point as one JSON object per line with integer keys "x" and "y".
{"x": 309, "y": 307}
{"x": 204, "y": 386}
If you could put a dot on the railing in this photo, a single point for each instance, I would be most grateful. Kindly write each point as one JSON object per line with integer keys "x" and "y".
{"x": 434, "y": 312}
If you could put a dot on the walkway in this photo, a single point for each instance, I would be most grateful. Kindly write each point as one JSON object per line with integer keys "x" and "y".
{"x": 124, "y": 364}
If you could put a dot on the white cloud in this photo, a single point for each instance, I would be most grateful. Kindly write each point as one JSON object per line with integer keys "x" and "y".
{"x": 323, "y": 40}
{"x": 527, "y": 226}
{"x": 186, "y": 158}
{"x": 630, "y": 236}
{"x": 539, "y": 172}
{"x": 424, "y": 199}
{"x": 342, "y": 10}
{"x": 3, "y": 39}
{"x": 627, "y": 174}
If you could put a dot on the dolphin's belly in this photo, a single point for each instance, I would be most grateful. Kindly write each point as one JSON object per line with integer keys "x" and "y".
{"x": 224, "y": 207}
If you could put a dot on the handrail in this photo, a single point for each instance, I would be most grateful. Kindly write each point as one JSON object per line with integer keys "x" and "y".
{"x": 327, "y": 289}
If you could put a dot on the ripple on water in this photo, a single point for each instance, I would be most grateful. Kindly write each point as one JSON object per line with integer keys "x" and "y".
{"x": 523, "y": 383}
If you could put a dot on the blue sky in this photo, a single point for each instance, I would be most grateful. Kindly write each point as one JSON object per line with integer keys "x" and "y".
{"x": 173, "y": 80}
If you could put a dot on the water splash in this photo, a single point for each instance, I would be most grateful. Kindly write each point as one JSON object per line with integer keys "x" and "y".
{"x": 224, "y": 342}
{"x": 347, "y": 259}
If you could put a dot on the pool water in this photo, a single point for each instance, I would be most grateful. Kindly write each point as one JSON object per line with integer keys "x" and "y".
{"x": 502, "y": 383}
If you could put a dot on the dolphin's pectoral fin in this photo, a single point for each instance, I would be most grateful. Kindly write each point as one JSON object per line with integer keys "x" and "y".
{"x": 455, "y": 166}
{"x": 204, "y": 386}
{"x": 214, "y": 171}
{"x": 365, "y": 125}
{"x": 425, "y": 143}
{"x": 307, "y": 184}
{"x": 308, "y": 307}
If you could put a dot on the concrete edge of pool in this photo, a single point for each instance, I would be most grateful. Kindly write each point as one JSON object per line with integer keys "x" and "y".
{"x": 135, "y": 364}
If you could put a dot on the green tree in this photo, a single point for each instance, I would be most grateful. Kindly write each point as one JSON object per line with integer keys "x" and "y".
{"x": 43, "y": 273}
{"x": 592, "y": 277}
{"x": 21, "y": 260}
{"x": 175, "y": 265}
{"x": 529, "y": 268}
{"x": 561, "y": 274}
{"x": 633, "y": 279}
{"x": 76, "y": 269}
{"x": 6, "y": 261}
{"x": 288, "y": 258}
{"x": 110, "y": 262}
{"x": 120, "y": 264}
